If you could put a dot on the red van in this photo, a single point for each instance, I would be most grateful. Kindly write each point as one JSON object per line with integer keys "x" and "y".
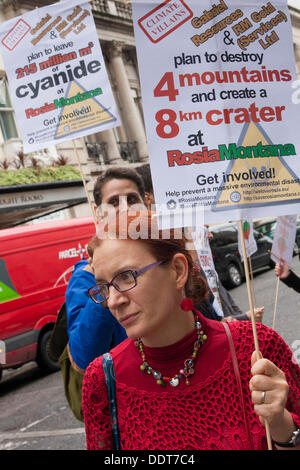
{"x": 35, "y": 265}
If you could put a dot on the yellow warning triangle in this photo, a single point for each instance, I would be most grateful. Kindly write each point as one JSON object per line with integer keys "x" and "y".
{"x": 251, "y": 181}
{"x": 80, "y": 110}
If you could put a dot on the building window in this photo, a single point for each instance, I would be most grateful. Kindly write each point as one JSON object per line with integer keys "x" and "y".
{"x": 7, "y": 120}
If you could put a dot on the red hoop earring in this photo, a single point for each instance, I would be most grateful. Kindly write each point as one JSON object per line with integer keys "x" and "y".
{"x": 187, "y": 304}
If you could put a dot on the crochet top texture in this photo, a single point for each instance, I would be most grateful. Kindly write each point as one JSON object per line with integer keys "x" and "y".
{"x": 207, "y": 414}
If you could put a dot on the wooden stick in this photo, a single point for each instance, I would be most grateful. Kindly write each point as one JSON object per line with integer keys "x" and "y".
{"x": 246, "y": 268}
{"x": 252, "y": 281}
{"x": 258, "y": 355}
{"x": 278, "y": 278}
{"x": 84, "y": 183}
{"x": 276, "y": 299}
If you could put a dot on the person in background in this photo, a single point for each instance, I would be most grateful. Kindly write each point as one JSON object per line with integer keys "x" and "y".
{"x": 92, "y": 330}
{"x": 145, "y": 172}
{"x": 287, "y": 276}
{"x": 176, "y": 387}
{"x": 231, "y": 311}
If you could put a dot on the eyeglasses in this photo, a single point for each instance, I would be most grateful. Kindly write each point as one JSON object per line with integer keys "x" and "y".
{"x": 122, "y": 282}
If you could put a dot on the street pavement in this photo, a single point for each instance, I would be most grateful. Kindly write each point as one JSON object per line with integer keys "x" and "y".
{"x": 34, "y": 413}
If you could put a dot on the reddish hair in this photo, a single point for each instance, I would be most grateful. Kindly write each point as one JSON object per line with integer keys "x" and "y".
{"x": 163, "y": 244}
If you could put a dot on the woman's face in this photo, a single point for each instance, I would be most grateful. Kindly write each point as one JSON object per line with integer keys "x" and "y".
{"x": 148, "y": 308}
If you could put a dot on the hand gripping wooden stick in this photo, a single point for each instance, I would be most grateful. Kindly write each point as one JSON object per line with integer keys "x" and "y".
{"x": 258, "y": 355}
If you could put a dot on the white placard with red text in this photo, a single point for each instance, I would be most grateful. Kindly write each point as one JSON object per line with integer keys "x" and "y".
{"x": 284, "y": 239}
{"x": 202, "y": 246}
{"x": 219, "y": 90}
{"x": 57, "y": 78}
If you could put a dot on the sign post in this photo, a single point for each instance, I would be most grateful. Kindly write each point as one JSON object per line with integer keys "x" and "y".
{"x": 283, "y": 247}
{"x": 258, "y": 355}
{"x": 220, "y": 113}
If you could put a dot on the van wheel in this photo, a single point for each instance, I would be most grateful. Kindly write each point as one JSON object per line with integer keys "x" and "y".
{"x": 234, "y": 275}
{"x": 43, "y": 359}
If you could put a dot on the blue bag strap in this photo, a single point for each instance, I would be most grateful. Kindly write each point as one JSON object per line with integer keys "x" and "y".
{"x": 110, "y": 379}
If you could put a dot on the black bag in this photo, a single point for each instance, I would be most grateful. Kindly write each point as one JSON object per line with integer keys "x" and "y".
{"x": 72, "y": 380}
{"x": 58, "y": 351}
{"x": 59, "y": 336}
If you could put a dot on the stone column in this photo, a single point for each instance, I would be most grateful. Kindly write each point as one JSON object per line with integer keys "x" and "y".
{"x": 134, "y": 123}
{"x": 297, "y": 58}
{"x": 112, "y": 147}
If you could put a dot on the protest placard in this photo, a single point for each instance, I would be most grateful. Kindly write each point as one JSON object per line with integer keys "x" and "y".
{"x": 217, "y": 85}
{"x": 284, "y": 239}
{"x": 202, "y": 246}
{"x": 58, "y": 82}
{"x": 282, "y": 248}
{"x": 249, "y": 240}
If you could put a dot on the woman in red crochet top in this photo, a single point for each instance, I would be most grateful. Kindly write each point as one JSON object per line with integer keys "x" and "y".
{"x": 175, "y": 383}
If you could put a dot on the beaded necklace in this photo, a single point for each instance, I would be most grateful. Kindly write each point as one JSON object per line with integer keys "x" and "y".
{"x": 188, "y": 366}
